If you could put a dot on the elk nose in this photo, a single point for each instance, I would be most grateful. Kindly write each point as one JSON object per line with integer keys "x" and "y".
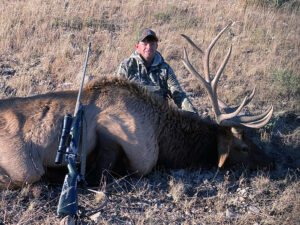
{"x": 272, "y": 165}
{"x": 244, "y": 147}
{"x": 269, "y": 166}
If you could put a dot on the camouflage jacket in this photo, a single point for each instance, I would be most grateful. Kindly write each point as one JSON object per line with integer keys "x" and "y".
{"x": 158, "y": 78}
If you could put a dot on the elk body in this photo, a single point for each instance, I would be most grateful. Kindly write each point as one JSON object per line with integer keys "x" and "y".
{"x": 128, "y": 129}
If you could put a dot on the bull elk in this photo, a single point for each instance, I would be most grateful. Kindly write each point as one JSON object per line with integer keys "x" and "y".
{"x": 128, "y": 129}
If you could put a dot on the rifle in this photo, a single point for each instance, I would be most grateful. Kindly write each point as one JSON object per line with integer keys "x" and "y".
{"x": 68, "y": 147}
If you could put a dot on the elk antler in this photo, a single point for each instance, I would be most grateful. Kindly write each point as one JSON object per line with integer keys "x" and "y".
{"x": 231, "y": 117}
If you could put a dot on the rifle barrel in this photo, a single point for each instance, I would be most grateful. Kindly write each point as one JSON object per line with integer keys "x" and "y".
{"x": 82, "y": 80}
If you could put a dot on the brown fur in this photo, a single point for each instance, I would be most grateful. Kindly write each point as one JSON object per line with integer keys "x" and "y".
{"x": 127, "y": 127}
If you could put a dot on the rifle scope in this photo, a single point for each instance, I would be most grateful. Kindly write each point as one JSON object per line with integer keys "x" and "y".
{"x": 65, "y": 139}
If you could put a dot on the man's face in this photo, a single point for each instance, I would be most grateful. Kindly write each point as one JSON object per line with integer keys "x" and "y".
{"x": 147, "y": 49}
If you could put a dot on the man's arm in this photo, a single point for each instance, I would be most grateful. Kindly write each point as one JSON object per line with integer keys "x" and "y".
{"x": 122, "y": 70}
{"x": 177, "y": 94}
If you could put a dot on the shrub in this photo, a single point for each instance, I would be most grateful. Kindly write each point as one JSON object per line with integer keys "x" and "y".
{"x": 272, "y": 3}
{"x": 287, "y": 81}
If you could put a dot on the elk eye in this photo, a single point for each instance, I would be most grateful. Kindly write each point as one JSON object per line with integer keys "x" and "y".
{"x": 244, "y": 149}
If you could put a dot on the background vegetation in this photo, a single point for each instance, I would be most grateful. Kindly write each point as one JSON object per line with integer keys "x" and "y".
{"x": 44, "y": 42}
{"x": 42, "y": 48}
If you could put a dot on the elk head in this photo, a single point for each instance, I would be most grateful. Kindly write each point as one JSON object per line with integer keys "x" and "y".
{"x": 233, "y": 144}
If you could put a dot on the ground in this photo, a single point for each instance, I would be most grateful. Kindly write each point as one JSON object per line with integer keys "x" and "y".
{"x": 42, "y": 48}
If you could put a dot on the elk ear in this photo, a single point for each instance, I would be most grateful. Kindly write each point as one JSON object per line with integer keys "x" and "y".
{"x": 223, "y": 148}
{"x": 237, "y": 132}
{"x": 223, "y": 155}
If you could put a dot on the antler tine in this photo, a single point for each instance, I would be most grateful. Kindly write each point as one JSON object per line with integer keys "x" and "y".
{"x": 214, "y": 82}
{"x": 210, "y": 88}
{"x": 205, "y": 84}
{"x": 193, "y": 44}
{"x": 261, "y": 120}
{"x": 251, "y": 96}
{"x": 231, "y": 116}
{"x": 228, "y": 109}
{"x": 192, "y": 70}
{"x": 235, "y": 111}
{"x": 250, "y": 119}
{"x": 228, "y": 116}
{"x": 207, "y": 53}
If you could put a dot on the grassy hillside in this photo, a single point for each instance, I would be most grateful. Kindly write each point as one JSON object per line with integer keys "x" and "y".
{"x": 44, "y": 42}
{"x": 42, "y": 48}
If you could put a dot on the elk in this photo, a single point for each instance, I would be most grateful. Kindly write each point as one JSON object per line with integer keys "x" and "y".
{"x": 129, "y": 129}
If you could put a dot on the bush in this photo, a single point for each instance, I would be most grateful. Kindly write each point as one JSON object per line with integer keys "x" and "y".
{"x": 287, "y": 81}
{"x": 272, "y": 3}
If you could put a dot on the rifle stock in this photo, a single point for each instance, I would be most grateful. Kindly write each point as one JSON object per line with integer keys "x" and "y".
{"x": 69, "y": 144}
{"x": 68, "y": 201}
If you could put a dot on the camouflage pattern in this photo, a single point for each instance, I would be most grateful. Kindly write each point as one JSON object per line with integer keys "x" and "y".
{"x": 159, "y": 78}
{"x": 146, "y": 33}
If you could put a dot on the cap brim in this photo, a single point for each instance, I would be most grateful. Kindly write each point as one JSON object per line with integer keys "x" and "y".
{"x": 154, "y": 37}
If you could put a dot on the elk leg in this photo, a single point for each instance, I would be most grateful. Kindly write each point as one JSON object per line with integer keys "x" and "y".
{"x": 5, "y": 180}
{"x": 106, "y": 161}
{"x": 20, "y": 161}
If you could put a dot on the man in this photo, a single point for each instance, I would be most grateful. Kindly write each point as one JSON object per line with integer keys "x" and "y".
{"x": 147, "y": 67}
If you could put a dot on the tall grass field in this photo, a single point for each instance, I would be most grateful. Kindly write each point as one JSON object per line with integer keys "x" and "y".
{"x": 42, "y": 49}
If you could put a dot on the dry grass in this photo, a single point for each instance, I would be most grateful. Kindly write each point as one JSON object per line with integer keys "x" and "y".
{"x": 43, "y": 43}
{"x": 169, "y": 197}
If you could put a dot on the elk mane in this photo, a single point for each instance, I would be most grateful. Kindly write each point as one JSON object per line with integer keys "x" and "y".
{"x": 140, "y": 92}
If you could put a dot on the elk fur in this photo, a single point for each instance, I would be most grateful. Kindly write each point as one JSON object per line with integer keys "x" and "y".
{"x": 126, "y": 125}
